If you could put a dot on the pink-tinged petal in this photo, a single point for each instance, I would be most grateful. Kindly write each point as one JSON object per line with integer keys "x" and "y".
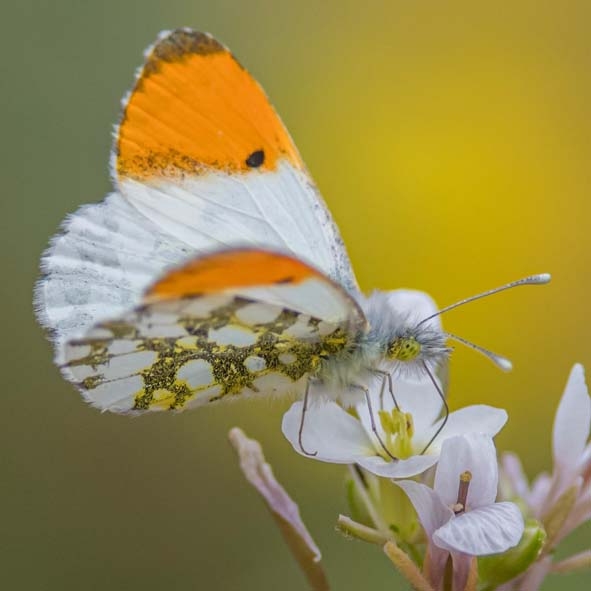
{"x": 329, "y": 431}
{"x": 478, "y": 418}
{"x": 572, "y": 423}
{"x": 474, "y": 452}
{"x": 580, "y": 513}
{"x": 584, "y": 468}
{"x": 432, "y": 512}
{"x": 397, "y": 468}
{"x": 535, "y": 575}
{"x": 513, "y": 471}
{"x": 487, "y": 530}
{"x": 434, "y": 564}
{"x": 285, "y": 511}
{"x": 540, "y": 489}
{"x": 462, "y": 563}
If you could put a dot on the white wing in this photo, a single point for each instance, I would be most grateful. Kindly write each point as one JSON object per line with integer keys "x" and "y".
{"x": 280, "y": 210}
{"x": 187, "y": 184}
{"x": 98, "y": 267}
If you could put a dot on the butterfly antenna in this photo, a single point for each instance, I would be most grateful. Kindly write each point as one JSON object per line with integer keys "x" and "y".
{"x": 540, "y": 279}
{"x": 500, "y": 361}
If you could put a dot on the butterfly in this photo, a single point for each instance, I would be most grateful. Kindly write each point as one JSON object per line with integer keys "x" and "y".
{"x": 215, "y": 269}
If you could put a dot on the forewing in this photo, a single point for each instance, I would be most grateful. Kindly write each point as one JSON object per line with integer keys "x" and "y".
{"x": 201, "y": 152}
{"x": 241, "y": 322}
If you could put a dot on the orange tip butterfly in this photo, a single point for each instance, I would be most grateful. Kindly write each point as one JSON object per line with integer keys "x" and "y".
{"x": 215, "y": 269}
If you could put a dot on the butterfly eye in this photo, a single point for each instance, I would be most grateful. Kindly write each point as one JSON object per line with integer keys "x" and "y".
{"x": 404, "y": 349}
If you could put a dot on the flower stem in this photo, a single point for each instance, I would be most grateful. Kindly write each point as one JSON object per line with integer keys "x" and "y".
{"x": 577, "y": 562}
{"x": 369, "y": 506}
{"x": 363, "y": 532}
{"x": 407, "y": 567}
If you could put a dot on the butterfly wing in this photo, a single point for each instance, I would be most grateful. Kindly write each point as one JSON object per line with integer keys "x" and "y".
{"x": 234, "y": 322}
{"x": 201, "y": 162}
{"x": 98, "y": 267}
{"x": 201, "y": 152}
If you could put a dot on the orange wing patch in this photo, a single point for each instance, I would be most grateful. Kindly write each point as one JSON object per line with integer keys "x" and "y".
{"x": 195, "y": 107}
{"x": 230, "y": 269}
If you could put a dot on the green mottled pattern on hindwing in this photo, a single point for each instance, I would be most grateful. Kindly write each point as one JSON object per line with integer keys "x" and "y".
{"x": 227, "y": 361}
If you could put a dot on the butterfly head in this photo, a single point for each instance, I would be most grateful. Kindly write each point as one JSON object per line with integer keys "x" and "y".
{"x": 413, "y": 345}
{"x": 397, "y": 335}
{"x": 404, "y": 348}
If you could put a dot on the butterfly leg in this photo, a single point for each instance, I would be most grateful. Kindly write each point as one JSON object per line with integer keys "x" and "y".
{"x": 374, "y": 427}
{"x": 387, "y": 378}
{"x": 445, "y": 407}
{"x": 301, "y": 429}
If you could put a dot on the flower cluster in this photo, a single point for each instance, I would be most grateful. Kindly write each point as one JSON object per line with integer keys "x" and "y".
{"x": 454, "y": 501}
{"x": 560, "y": 501}
{"x": 430, "y": 490}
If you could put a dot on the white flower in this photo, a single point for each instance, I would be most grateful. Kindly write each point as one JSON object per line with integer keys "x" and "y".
{"x": 562, "y": 500}
{"x": 460, "y": 515}
{"x": 571, "y": 452}
{"x": 339, "y": 437}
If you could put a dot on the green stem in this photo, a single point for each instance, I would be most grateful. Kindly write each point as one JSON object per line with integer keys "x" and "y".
{"x": 358, "y": 530}
{"x": 369, "y": 506}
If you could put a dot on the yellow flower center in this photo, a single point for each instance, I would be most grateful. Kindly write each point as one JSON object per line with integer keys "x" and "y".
{"x": 398, "y": 429}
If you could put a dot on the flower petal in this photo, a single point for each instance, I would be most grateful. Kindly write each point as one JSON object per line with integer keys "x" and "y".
{"x": 535, "y": 576}
{"x": 487, "y": 530}
{"x": 585, "y": 463}
{"x": 329, "y": 431}
{"x": 478, "y": 418}
{"x": 538, "y": 495}
{"x": 432, "y": 512}
{"x": 420, "y": 399}
{"x": 260, "y": 474}
{"x": 513, "y": 471}
{"x": 462, "y": 565}
{"x": 415, "y": 303}
{"x": 397, "y": 468}
{"x": 474, "y": 452}
{"x": 572, "y": 422}
{"x": 580, "y": 513}
{"x": 434, "y": 564}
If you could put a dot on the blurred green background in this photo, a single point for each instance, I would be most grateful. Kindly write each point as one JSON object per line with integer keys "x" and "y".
{"x": 452, "y": 141}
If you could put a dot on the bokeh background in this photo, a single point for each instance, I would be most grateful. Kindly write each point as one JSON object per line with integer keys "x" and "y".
{"x": 452, "y": 141}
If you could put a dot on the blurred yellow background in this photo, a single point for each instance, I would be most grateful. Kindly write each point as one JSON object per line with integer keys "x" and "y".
{"x": 452, "y": 142}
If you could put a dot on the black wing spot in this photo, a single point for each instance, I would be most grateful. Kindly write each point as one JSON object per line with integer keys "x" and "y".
{"x": 255, "y": 159}
{"x": 285, "y": 280}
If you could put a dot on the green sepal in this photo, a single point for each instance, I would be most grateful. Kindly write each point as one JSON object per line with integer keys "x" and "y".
{"x": 356, "y": 505}
{"x": 499, "y": 568}
{"x": 397, "y": 511}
